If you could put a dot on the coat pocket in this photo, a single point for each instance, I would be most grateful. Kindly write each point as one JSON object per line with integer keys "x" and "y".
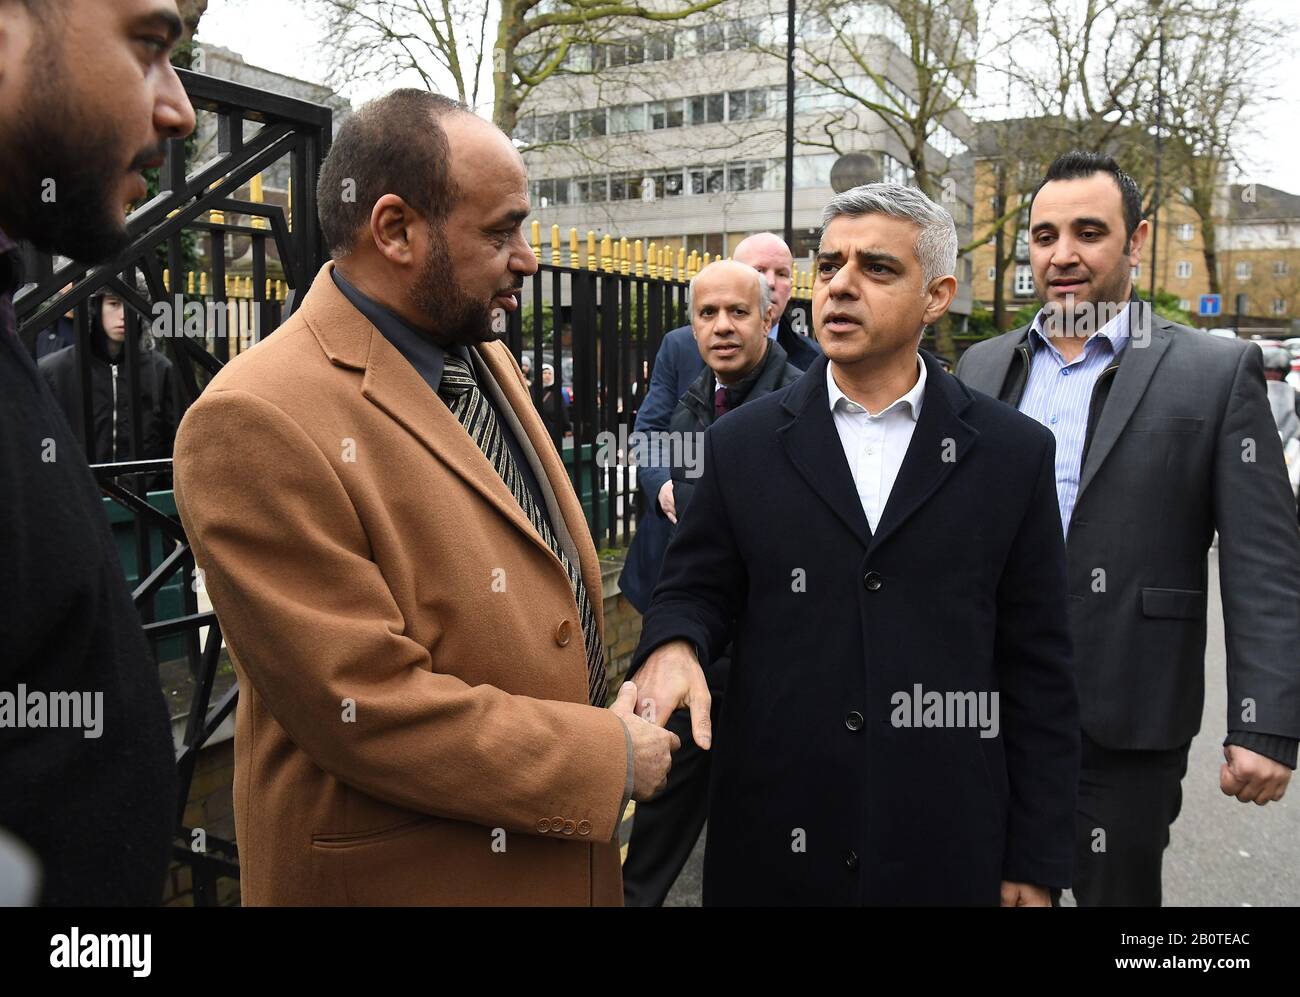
{"x": 345, "y": 839}
{"x": 1173, "y": 604}
{"x": 1167, "y": 424}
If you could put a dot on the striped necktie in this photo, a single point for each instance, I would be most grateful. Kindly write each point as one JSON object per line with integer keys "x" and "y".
{"x": 462, "y": 395}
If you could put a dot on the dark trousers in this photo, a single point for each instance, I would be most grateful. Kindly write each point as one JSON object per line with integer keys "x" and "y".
{"x": 1127, "y": 802}
{"x": 665, "y": 829}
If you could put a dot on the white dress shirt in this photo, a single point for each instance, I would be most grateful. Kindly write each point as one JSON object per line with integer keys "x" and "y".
{"x": 875, "y": 445}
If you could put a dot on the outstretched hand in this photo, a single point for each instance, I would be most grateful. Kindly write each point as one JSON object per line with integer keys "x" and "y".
{"x": 672, "y": 677}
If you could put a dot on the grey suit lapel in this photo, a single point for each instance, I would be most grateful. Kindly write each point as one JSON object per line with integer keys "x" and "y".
{"x": 991, "y": 372}
{"x": 1131, "y": 380}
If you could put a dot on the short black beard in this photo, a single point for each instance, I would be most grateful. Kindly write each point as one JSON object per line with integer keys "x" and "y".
{"x": 455, "y": 318}
{"x": 52, "y": 141}
{"x": 1090, "y": 316}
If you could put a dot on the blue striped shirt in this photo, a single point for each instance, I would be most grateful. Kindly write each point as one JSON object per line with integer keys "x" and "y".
{"x": 1058, "y": 394}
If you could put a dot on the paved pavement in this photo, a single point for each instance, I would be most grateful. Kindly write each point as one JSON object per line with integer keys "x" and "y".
{"x": 1222, "y": 853}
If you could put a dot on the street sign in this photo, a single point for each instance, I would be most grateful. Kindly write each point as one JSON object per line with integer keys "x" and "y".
{"x": 1211, "y": 305}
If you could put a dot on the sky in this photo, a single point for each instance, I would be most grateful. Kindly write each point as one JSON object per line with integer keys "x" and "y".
{"x": 280, "y": 35}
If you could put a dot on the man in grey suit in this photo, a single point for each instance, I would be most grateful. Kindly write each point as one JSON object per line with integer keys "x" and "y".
{"x": 1163, "y": 436}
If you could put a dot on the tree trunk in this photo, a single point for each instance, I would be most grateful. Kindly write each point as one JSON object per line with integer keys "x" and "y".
{"x": 505, "y": 103}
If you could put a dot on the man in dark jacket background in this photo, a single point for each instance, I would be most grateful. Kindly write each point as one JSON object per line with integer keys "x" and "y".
{"x": 676, "y": 365}
{"x": 554, "y": 408}
{"x": 88, "y": 97}
{"x": 111, "y": 397}
{"x": 731, "y": 307}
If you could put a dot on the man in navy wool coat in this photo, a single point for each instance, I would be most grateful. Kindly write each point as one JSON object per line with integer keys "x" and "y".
{"x": 901, "y": 724}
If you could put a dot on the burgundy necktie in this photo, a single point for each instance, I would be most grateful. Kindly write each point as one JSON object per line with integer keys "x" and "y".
{"x": 720, "y": 402}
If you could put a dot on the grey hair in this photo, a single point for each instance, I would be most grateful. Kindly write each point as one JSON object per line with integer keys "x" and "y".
{"x": 936, "y": 246}
{"x": 764, "y": 291}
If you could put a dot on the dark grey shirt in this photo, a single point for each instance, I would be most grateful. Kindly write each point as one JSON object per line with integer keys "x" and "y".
{"x": 426, "y": 357}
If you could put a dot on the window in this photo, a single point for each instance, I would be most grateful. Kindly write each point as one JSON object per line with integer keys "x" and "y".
{"x": 591, "y": 190}
{"x": 774, "y": 174}
{"x": 525, "y": 130}
{"x": 993, "y": 273}
{"x": 666, "y": 114}
{"x": 1185, "y": 232}
{"x": 895, "y": 171}
{"x": 1279, "y": 306}
{"x": 659, "y": 48}
{"x": 707, "y": 180}
{"x": 708, "y": 108}
{"x": 686, "y": 43}
{"x": 585, "y": 58}
{"x": 1279, "y": 268}
{"x": 1184, "y": 269}
{"x": 901, "y": 98}
{"x": 1185, "y": 304}
{"x": 667, "y": 184}
{"x": 750, "y": 32}
{"x": 1243, "y": 270}
{"x": 552, "y": 127}
{"x": 589, "y": 124}
{"x": 737, "y": 176}
{"x": 1022, "y": 244}
{"x": 1024, "y": 286}
{"x": 625, "y": 187}
{"x": 766, "y": 30}
{"x": 746, "y": 104}
{"x": 776, "y": 102}
{"x": 624, "y": 52}
{"x": 813, "y": 171}
{"x": 811, "y": 96}
{"x": 745, "y": 176}
{"x": 626, "y": 118}
{"x": 552, "y": 192}
{"x": 711, "y": 38}
{"x": 946, "y": 142}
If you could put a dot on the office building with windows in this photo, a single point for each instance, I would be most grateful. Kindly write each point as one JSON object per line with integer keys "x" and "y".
{"x": 675, "y": 131}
